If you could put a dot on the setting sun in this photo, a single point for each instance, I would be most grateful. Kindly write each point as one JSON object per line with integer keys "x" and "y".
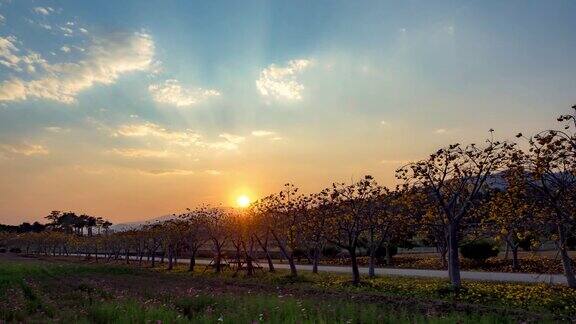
{"x": 243, "y": 201}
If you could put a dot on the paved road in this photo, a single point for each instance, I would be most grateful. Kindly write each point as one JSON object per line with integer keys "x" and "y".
{"x": 467, "y": 275}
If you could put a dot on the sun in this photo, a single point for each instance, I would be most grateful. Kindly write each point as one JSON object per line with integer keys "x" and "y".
{"x": 243, "y": 201}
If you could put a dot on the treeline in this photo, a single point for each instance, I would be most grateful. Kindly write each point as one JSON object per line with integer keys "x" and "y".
{"x": 497, "y": 190}
{"x": 67, "y": 222}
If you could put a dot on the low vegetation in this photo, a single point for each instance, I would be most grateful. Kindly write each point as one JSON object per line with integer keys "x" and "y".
{"x": 66, "y": 291}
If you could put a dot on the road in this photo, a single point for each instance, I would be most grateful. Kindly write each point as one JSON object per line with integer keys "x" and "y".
{"x": 466, "y": 275}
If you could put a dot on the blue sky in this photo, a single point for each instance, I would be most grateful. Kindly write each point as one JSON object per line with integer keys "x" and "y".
{"x": 159, "y": 105}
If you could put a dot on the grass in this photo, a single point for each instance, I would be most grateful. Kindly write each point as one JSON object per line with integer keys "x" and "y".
{"x": 100, "y": 293}
{"x": 14, "y": 272}
{"x": 263, "y": 309}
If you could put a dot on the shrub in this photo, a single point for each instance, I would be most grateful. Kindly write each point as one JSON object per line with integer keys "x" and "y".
{"x": 526, "y": 243}
{"x": 299, "y": 254}
{"x": 479, "y": 251}
{"x": 381, "y": 251}
{"x": 15, "y": 250}
{"x": 330, "y": 251}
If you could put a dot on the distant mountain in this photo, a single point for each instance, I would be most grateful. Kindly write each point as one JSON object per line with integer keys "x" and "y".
{"x": 135, "y": 225}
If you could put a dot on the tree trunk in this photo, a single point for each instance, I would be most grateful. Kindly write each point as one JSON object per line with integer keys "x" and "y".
{"x": 153, "y": 259}
{"x": 270, "y": 263}
{"x": 293, "y": 270}
{"x": 453, "y": 256}
{"x": 264, "y": 246}
{"x": 217, "y": 264}
{"x": 388, "y": 254}
{"x": 515, "y": 263}
{"x": 288, "y": 256}
{"x": 566, "y": 261}
{"x": 372, "y": 263}
{"x": 170, "y": 260}
{"x": 355, "y": 270}
{"x": 127, "y": 256}
{"x": 192, "y": 261}
{"x": 316, "y": 260}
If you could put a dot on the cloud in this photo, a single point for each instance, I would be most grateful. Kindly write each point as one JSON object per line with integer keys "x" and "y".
{"x": 169, "y": 172}
{"x": 67, "y": 32}
{"x": 213, "y": 172}
{"x": 8, "y": 50}
{"x": 56, "y": 129}
{"x": 148, "y": 129}
{"x": 45, "y": 11}
{"x": 384, "y": 123}
{"x": 45, "y": 26}
{"x": 236, "y": 139}
{"x": 441, "y": 131}
{"x": 2, "y": 20}
{"x": 65, "y": 49}
{"x": 171, "y": 92}
{"x": 12, "y": 90}
{"x": 262, "y": 133}
{"x": 25, "y": 149}
{"x": 173, "y": 141}
{"x": 140, "y": 153}
{"x": 280, "y": 82}
{"x": 11, "y": 58}
{"x": 106, "y": 59}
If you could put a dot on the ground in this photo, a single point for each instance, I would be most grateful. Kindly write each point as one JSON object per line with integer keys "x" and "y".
{"x": 77, "y": 290}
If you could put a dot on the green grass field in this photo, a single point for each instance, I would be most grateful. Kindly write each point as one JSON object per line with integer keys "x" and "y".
{"x": 70, "y": 291}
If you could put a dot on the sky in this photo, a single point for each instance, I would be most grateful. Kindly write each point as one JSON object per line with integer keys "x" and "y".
{"x": 130, "y": 110}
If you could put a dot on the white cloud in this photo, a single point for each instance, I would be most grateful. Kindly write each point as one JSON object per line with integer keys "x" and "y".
{"x": 45, "y": 11}
{"x": 25, "y": 149}
{"x": 8, "y": 52}
{"x": 68, "y": 32}
{"x": 169, "y": 172}
{"x": 2, "y": 20}
{"x": 175, "y": 140}
{"x": 140, "y": 153}
{"x": 11, "y": 58}
{"x": 235, "y": 139}
{"x": 56, "y": 129}
{"x": 213, "y": 172}
{"x": 171, "y": 92}
{"x": 262, "y": 133}
{"x": 280, "y": 82}
{"x": 12, "y": 90}
{"x": 106, "y": 59}
{"x": 441, "y": 131}
{"x": 153, "y": 130}
{"x": 45, "y": 26}
{"x": 65, "y": 49}
{"x": 384, "y": 123}
{"x": 83, "y": 30}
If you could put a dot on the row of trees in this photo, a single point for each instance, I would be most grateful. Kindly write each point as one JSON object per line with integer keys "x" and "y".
{"x": 68, "y": 222}
{"x": 494, "y": 190}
